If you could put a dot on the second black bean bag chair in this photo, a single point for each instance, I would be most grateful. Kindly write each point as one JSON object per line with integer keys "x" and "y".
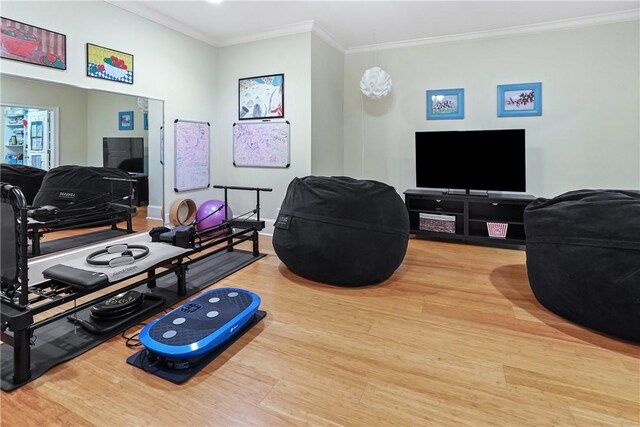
{"x": 341, "y": 231}
{"x": 583, "y": 258}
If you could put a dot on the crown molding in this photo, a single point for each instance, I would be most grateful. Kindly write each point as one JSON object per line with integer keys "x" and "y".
{"x": 567, "y": 24}
{"x": 328, "y": 38}
{"x": 286, "y": 30}
{"x": 144, "y": 12}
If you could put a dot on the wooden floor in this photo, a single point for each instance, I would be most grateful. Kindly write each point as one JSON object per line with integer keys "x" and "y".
{"x": 455, "y": 337}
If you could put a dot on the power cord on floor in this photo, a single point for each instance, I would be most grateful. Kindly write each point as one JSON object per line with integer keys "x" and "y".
{"x": 132, "y": 341}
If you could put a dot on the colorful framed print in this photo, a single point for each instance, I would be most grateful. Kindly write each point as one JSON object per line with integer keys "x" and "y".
{"x": 34, "y": 45}
{"x": 445, "y": 104}
{"x": 261, "y": 97}
{"x": 125, "y": 120}
{"x": 109, "y": 64}
{"x": 518, "y": 100}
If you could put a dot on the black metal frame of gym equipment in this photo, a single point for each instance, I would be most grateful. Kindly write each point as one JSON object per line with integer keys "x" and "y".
{"x": 19, "y": 308}
{"x": 112, "y": 213}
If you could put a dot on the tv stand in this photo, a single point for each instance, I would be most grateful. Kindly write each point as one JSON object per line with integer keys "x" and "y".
{"x": 471, "y": 213}
{"x": 478, "y": 193}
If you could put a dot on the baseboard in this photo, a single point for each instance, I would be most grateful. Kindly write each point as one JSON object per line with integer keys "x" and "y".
{"x": 154, "y": 212}
{"x": 268, "y": 227}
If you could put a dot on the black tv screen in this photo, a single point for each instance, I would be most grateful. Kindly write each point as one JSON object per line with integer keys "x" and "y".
{"x": 491, "y": 160}
{"x": 123, "y": 153}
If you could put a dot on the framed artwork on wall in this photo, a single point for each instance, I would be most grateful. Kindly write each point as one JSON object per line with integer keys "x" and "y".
{"x": 109, "y": 64}
{"x": 518, "y": 100}
{"x": 261, "y": 97}
{"x": 125, "y": 120}
{"x": 34, "y": 45}
{"x": 445, "y": 104}
{"x": 146, "y": 121}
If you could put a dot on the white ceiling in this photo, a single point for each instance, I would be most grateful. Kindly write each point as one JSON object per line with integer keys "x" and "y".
{"x": 360, "y": 25}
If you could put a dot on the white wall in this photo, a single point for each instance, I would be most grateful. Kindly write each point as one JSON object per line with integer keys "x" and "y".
{"x": 587, "y": 137}
{"x": 103, "y": 109}
{"x": 289, "y": 55}
{"x": 72, "y": 103}
{"x": 327, "y": 116}
{"x": 167, "y": 65}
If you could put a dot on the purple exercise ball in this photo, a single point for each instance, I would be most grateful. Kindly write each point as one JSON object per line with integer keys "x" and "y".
{"x": 210, "y": 214}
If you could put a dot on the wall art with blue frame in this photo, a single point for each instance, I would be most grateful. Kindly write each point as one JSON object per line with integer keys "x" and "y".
{"x": 445, "y": 104}
{"x": 125, "y": 120}
{"x": 520, "y": 100}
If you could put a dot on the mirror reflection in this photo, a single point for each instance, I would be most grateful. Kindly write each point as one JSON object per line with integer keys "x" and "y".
{"x": 47, "y": 124}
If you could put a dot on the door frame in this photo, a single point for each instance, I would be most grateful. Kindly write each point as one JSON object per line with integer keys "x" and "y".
{"x": 54, "y": 122}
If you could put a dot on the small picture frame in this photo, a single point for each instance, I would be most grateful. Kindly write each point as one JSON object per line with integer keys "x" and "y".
{"x": 445, "y": 104}
{"x": 261, "y": 97}
{"x": 146, "y": 121}
{"x": 520, "y": 100}
{"x": 125, "y": 120}
{"x": 109, "y": 64}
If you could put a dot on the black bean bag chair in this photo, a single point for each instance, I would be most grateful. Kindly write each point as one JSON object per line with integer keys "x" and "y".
{"x": 341, "y": 231}
{"x": 28, "y": 178}
{"x": 583, "y": 258}
{"x": 73, "y": 186}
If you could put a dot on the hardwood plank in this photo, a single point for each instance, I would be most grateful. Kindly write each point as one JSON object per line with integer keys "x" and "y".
{"x": 454, "y": 337}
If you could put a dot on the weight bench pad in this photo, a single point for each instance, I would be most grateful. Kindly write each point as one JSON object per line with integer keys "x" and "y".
{"x": 78, "y": 278}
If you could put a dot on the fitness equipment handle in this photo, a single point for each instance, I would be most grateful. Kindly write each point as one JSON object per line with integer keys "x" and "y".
{"x": 233, "y": 187}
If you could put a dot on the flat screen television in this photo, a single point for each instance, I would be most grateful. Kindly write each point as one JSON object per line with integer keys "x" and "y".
{"x": 488, "y": 160}
{"x": 123, "y": 153}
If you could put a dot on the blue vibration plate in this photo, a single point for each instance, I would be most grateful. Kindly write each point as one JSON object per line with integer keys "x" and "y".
{"x": 201, "y": 324}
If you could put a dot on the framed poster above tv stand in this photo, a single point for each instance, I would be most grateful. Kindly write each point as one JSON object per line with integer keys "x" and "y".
{"x": 468, "y": 218}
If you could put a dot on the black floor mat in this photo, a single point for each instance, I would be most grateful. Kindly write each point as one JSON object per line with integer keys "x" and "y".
{"x": 57, "y": 245}
{"x": 179, "y": 376}
{"x": 62, "y": 340}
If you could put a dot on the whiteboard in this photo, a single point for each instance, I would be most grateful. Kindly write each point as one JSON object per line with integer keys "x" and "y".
{"x": 261, "y": 144}
{"x": 191, "y": 155}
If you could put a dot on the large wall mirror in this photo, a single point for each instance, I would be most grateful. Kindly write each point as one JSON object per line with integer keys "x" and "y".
{"x": 47, "y": 124}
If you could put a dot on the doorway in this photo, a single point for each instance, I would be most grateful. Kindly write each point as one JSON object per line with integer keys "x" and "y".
{"x": 28, "y": 136}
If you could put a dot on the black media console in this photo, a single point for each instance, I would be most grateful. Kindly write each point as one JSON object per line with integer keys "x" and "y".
{"x": 433, "y": 210}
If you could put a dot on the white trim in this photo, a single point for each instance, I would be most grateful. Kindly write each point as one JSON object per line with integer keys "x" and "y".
{"x": 268, "y": 226}
{"x": 139, "y": 9}
{"x": 328, "y": 38}
{"x": 566, "y": 24}
{"x": 286, "y": 30}
{"x": 154, "y": 212}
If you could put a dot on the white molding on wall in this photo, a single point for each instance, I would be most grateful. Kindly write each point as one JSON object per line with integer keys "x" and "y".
{"x": 138, "y": 8}
{"x": 328, "y": 38}
{"x": 268, "y": 226}
{"x": 566, "y": 24}
{"x": 287, "y": 30}
{"x": 154, "y": 212}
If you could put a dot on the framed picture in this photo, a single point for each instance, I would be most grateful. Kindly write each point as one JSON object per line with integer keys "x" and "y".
{"x": 445, "y": 104}
{"x": 261, "y": 97}
{"x": 109, "y": 64}
{"x": 522, "y": 99}
{"x": 37, "y": 142}
{"x": 34, "y": 45}
{"x": 146, "y": 121}
{"x": 125, "y": 120}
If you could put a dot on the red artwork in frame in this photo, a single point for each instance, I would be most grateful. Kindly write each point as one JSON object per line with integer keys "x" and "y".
{"x": 34, "y": 45}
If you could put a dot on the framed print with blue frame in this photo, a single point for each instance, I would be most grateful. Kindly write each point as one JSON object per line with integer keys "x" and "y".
{"x": 125, "y": 120}
{"x": 445, "y": 104}
{"x": 520, "y": 100}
